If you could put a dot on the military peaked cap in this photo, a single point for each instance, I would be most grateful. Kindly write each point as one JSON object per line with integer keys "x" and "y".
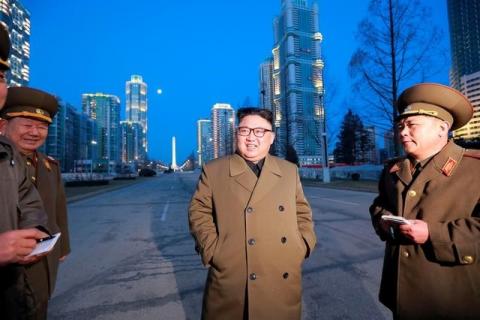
{"x": 29, "y": 103}
{"x": 435, "y": 100}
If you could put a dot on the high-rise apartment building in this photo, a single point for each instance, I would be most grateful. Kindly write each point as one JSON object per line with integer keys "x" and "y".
{"x": 136, "y": 112}
{"x": 70, "y": 137}
{"x": 464, "y": 21}
{"x": 204, "y": 141}
{"x": 266, "y": 85}
{"x": 131, "y": 141}
{"x": 223, "y": 129}
{"x": 470, "y": 87}
{"x": 17, "y": 20}
{"x": 298, "y": 82}
{"x": 105, "y": 110}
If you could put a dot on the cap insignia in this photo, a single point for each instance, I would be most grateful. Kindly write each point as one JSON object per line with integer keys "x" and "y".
{"x": 40, "y": 111}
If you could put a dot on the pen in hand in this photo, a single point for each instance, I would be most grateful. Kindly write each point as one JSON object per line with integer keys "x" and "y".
{"x": 45, "y": 239}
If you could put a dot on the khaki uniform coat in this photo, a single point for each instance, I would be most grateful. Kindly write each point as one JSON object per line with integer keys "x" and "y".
{"x": 45, "y": 174}
{"x": 21, "y": 208}
{"x": 441, "y": 278}
{"x": 254, "y": 234}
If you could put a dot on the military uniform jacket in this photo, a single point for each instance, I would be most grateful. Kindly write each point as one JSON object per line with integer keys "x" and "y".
{"x": 254, "y": 234}
{"x": 21, "y": 208}
{"x": 45, "y": 174}
{"x": 441, "y": 278}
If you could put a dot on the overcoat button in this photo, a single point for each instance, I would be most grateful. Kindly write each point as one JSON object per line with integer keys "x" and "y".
{"x": 251, "y": 242}
{"x": 412, "y": 193}
{"x": 253, "y": 276}
{"x": 284, "y": 239}
{"x": 249, "y": 210}
{"x": 281, "y": 208}
{"x": 406, "y": 254}
{"x": 467, "y": 259}
{"x": 285, "y": 275}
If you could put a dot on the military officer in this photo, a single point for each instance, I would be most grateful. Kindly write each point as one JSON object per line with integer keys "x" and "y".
{"x": 432, "y": 259}
{"x": 253, "y": 227}
{"x": 22, "y": 218}
{"x": 27, "y": 114}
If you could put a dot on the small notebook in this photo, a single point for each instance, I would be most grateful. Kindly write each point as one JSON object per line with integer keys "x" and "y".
{"x": 45, "y": 246}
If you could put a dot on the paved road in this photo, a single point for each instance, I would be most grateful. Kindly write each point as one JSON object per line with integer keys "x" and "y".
{"x": 133, "y": 257}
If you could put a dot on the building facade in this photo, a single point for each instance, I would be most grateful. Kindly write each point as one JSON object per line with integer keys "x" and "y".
{"x": 223, "y": 129}
{"x": 464, "y": 17}
{"x": 136, "y": 112}
{"x": 266, "y": 85}
{"x": 470, "y": 87}
{"x": 204, "y": 141}
{"x": 298, "y": 83}
{"x": 132, "y": 141}
{"x": 17, "y": 20}
{"x": 104, "y": 109}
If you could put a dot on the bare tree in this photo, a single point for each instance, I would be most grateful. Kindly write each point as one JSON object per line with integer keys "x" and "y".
{"x": 398, "y": 43}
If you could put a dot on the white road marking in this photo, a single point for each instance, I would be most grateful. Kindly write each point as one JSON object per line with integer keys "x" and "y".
{"x": 165, "y": 211}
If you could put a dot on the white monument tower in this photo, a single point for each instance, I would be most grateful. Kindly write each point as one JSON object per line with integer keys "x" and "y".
{"x": 174, "y": 156}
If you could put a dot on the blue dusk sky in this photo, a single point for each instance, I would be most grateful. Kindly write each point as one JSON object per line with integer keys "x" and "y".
{"x": 197, "y": 52}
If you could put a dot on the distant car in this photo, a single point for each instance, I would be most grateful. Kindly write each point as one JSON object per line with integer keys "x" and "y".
{"x": 169, "y": 170}
{"x": 146, "y": 172}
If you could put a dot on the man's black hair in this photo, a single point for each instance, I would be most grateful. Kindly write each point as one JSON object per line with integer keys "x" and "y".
{"x": 250, "y": 111}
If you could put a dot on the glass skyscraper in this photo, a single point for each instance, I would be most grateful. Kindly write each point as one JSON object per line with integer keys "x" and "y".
{"x": 136, "y": 112}
{"x": 266, "y": 85}
{"x": 105, "y": 110}
{"x": 204, "y": 141}
{"x": 298, "y": 82}
{"x": 17, "y": 20}
{"x": 132, "y": 142}
{"x": 464, "y": 21}
{"x": 223, "y": 129}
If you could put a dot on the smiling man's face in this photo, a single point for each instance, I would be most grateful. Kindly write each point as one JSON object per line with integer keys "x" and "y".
{"x": 252, "y": 147}
{"x": 27, "y": 134}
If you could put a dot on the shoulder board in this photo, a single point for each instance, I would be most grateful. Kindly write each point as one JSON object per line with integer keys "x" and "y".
{"x": 51, "y": 159}
{"x": 472, "y": 153}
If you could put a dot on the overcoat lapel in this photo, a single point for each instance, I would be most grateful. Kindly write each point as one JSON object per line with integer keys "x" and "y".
{"x": 269, "y": 177}
{"x": 433, "y": 170}
{"x": 241, "y": 173}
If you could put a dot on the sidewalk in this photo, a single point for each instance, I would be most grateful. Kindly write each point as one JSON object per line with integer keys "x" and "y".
{"x": 361, "y": 185}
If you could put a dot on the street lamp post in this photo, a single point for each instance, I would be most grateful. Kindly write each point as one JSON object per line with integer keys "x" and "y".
{"x": 326, "y": 169}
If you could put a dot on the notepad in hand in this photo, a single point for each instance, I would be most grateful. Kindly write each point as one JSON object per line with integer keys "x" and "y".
{"x": 396, "y": 219}
{"x": 45, "y": 245}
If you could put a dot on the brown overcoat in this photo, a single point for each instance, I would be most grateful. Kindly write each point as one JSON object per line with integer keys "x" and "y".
{"x": 21, "y": 208}
{"x": 45, "y": 174}
{"x": 254, "y": 234}
{"x": 441, "y": 278}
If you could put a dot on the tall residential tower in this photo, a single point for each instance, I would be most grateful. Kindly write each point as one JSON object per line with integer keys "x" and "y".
{"x": 223, "y": 129}
{"x": 17, "y": 20}
{"x": 464, "y": 21}
{"x": 136, "y": 112}
{"x": 298, "y": 82}
{"x": 105, "y": 110}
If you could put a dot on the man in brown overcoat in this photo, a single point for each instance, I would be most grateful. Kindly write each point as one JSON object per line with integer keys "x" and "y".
{"x": 27, "y": 115}
{"x": 431, "y": 267}
{"x": 253, "y": 227}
